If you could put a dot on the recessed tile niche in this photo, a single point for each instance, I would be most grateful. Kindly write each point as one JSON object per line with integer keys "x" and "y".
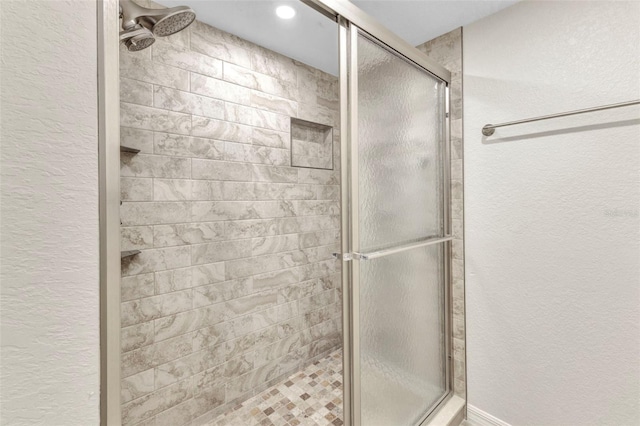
{"x": 311, "y": 145}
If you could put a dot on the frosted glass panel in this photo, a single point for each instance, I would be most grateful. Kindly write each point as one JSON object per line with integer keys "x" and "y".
{"x": 400, "y": 183}
{"x": 402, "y": 336}
{"x": 400, "y": 115}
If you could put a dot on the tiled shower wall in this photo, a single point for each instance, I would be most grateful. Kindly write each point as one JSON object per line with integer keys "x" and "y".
{"x": 235, "y": 286}
{"x": 447, "y": 50}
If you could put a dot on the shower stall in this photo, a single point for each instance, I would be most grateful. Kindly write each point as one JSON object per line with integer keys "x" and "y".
{"x": 285, "y": 231}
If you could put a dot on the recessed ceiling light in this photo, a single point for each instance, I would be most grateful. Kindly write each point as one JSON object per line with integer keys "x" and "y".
{"x": 285, "y": 12}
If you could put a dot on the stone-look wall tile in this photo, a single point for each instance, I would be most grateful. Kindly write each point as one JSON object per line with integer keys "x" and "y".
{"x": 456, "y": 168}
{"x": 285, "y": 277}
{"x": 177, "y": 414}
{"x": 150, "y": 308}
{"x": 274, "y": 103}
{"x": 216, "y": 252}
{"x": 137, "y": 286}
{"x": 251, "y": 228}
{"x": 239, "y": 191}
{"x": 136, "y": 189}
{"x": 179, "y": 101}
{"x": 274, "y": 64}
{"x": 202, "y": 190}
{"x": 240, "y": 210}
{"x": 456, "y": 206}
{"x": 457, "y": 268}
{"x": 156, "y": 260}
{"x": 274, "y": 174}
{"x": 141, "y": 68}
{"x": 155, "y": 354}
{"x": 235, "y": 286}
{"x": 318, "y": 114}
{"x": 313, "y": 208}
{"x": 183, "y": 58}
{"x": 136, "y": 237}
{"x": 222, "y": 130}
{"x": 144, "y": 165}
{"x": 320, "y": 238}
{"x": 312, "y": 162}
{"x": 256, "y": 118}
{"x": 256, "y": 265}
{"x": 187, "y": 146}
{"x": 208, "y": 273}
{"x": 151, "y": 213}
{"x": 136, "y": 92}
{"x": 137, "y": 138}
{"x": 218, "y": 170}
{"x": 201, "y": 42}
{"x": 457, "y": 229}
{"x": 280, "y": 191}
{"x": 156, "y": 402}
{"x": 188, "y": 233}
{"x": 211, "y": 294}
{"x": 457, "y": 249}
{"x": 294, "y": 225}
{"x": 173, "y": 280}
{"x": 256, "y": 154}
{"x": 147, "y": 118}
{"x": 321, "y": 177}
{"x": 219, "y": 89}
{"x": 266, "y": 245}
{"x": 456, "y": 139}
{"x": 272, "y": 138}
{"x": 328, "y": 192}
{"x": 184, "y": 368}
{"x": 136, "y": 386}
{"x": 249, "y": 304}
{"x": 171, "y": 189}
{"x": 254, "y": 80}
{"x": 137, "y": 336}
{"x": 179, "y": 39}
{"x": 186, "y": 322}
{"x": 205, "y": 337}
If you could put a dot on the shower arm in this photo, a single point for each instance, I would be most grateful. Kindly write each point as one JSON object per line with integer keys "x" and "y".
{"x": 132, "y": 11}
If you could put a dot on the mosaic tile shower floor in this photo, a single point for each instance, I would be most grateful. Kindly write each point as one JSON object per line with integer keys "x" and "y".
{"x": 310, "y": 397}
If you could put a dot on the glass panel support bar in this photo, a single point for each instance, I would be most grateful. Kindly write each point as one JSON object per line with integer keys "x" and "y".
{"x": 346, "y": 257}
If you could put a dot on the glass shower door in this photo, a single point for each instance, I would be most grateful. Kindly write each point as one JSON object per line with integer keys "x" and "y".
{"x": 398, "y": 236}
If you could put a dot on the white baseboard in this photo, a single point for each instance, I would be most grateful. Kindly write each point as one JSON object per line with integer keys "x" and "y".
{"x": 475, "y": 416}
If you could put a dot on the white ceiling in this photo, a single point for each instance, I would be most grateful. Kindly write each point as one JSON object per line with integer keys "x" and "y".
{"x": 313, "y": 39}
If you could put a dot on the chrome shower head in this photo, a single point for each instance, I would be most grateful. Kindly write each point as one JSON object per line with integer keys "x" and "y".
{"x": 161, "y": 22}
{"x": 178, "y": 20}
{"x": 137, "y": 38}
{"x": 139, "y": 42}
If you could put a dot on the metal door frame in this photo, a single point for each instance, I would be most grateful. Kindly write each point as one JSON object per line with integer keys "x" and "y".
{"x": 352, "y": 21}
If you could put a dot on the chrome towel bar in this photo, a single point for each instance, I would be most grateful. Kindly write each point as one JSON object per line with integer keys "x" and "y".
{"x": 489, "y": 129}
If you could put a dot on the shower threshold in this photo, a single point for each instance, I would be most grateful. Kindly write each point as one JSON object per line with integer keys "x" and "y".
{"x": 309, "y": 397}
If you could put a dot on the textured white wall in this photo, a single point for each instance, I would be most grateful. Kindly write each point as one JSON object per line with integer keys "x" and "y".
{"x": 551, "y": 210}
{"x": 49, "y": 205}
